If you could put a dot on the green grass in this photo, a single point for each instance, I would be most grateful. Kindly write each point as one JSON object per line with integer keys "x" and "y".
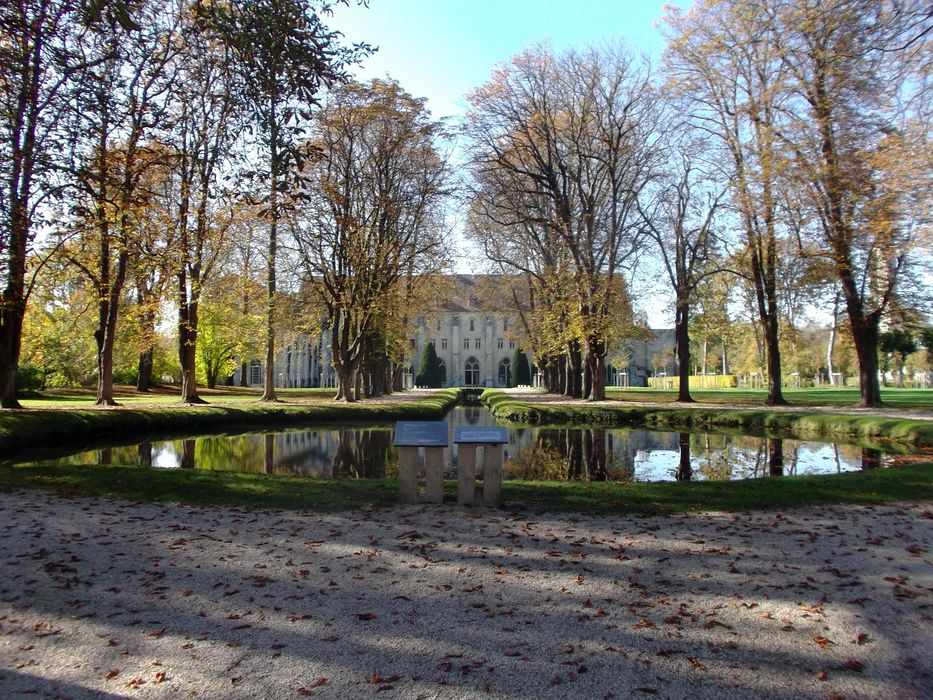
{"x": 596, "y": 498}
{"x": 27, "y": 428}
{"x": 167, "y": 395}
{"x": 901, "y": 434}
{"x": 912, "y": 399}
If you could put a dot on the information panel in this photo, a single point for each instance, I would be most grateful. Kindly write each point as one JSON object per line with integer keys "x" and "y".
{"x": 425, "y": 433}
{"x": 486, "y": 435}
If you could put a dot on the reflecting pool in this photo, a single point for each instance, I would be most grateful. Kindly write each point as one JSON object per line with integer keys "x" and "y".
{"x": 538, "y": 453}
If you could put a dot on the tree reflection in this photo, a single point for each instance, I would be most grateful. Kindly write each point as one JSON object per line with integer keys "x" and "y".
{"x": 871, "y": 459}
{"x": 684, "y": 468}
{"x": 188, "y": 454}
{"x": 775, "y": 457}
{"x": 144, "y": 454}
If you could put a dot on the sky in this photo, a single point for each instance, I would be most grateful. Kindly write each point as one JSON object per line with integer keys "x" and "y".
{"x": 443, "y": 49}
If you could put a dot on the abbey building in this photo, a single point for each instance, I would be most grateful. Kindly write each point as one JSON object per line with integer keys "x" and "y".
{"x": 475, "y": 330}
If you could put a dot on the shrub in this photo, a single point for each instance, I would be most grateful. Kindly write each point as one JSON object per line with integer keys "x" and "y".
{"x": 29, "y": 380}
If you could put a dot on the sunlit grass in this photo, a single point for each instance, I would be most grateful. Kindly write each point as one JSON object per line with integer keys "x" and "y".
{"x": 920, "y": 399}
{"x": 596, "y": 498}
{"x": 166, "y": 395}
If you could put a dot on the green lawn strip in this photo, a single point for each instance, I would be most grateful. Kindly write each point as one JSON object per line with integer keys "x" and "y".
{"x": 30, "y": 428}
{"x": 197, "y": 487}
{"x": 917, "y": 399}
{"x": 898, "y": 434}
{"x": 596, "y": 498}
{"x": 914, "y": 482}
{"x": 127, "y": 396}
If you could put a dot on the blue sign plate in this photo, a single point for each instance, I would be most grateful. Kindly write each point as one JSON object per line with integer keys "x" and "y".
{"x": 425, "y": 433}
{"x": 487, "y": 435}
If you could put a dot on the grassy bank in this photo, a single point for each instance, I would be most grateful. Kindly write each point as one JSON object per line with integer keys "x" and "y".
{"x": 596, "y": 498}
{"x": 29, "y": 427}
{"x": 896, "y": 433}
{"x": 909, "y": 399}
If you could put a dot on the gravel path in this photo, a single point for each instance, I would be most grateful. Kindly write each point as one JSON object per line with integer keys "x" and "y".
{"x": 101, "y": 598}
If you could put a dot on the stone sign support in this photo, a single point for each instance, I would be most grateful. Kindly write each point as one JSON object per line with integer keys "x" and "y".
{"x": 432, "y": 436}
{"x": 491, "y": 439}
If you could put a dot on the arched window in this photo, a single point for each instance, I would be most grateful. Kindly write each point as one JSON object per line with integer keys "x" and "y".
{"x": 504, "y": 372}
{"x": 442, "y": 370}
{"x": 471, "y": 372}
{"x": 255, "y": 372}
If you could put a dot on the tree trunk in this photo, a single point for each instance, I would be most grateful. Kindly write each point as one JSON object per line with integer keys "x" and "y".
{"x": 574, "y": 378}
{"x": 144, "y": 370}
{"x": 244, "y": 378}
{"x": 682, "y": 336}
{"x": 268, "y": 386}
{"x": 187, "y": 344}
{"x": 773, "y": 356}
{"x": 596, "y": 363}
{"x": 865, "y": 339}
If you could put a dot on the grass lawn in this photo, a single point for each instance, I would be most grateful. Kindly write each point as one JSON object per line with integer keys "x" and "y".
{"x": 168, "y": 395}
{"x": 596, "y": 498}
{"x": 917, "y": 399}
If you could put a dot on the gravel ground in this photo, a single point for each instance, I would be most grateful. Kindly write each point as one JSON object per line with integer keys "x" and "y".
{"x": 101, "y": 598}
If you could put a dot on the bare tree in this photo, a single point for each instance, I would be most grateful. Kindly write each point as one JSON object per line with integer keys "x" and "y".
{"x": 729, "y": 70}
{"x": 680, "y": 220}
{"x": 565, "y": 142}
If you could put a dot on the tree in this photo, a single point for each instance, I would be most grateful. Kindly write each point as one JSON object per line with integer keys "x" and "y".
{"x": 680, "y": 221}
{"x": 120, "y": 104}
{"x": 862, "y": 162}
{"x": 206, "y": 123}
{"x": 372, "y": 221}
{"x": 429, "y": 370}
{"x": 899, "y": 344}
{"x": 519, "y": 371}
{"x": 38, "y": 64}
{"x": 562, "y": 146}
{"x": 729, "y": 68}
{"x": 283, "y": 54}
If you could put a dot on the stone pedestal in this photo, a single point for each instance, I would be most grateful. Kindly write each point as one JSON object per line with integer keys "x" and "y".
{"x": 432, "y": 436}
{"x": 468, "y": 440}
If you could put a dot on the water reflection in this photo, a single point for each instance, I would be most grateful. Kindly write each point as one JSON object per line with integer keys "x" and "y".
{"x": 540, "y": 454}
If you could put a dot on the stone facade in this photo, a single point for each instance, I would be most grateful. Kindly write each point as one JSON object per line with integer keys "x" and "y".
{"x": 475, "y": 331}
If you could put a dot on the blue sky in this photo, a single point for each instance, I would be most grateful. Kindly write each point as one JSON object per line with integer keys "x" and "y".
{"x": 442, "y": 49}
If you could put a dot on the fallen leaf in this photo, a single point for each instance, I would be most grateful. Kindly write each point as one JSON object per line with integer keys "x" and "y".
{"x": 366, "y": 616}
{"x": 113, "y": 673}
{"x": 159, "y": 677}
{"x": 822, "y": 641}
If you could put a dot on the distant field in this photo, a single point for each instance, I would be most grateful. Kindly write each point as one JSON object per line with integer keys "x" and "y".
{"x": 919, "y": 399}
{"x": 80, "y": 398}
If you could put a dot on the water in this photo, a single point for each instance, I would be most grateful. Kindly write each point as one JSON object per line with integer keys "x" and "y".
{"x": 539, "y": 453}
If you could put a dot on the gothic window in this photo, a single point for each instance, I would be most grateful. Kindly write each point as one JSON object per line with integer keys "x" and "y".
{"x": 438, "y": 324}
{"x": 442, "y": 368}
{"x": 476, "y": 343}
{"x": 443, "y": 343}
{"x": 505, "y": 325}
{"x": 472, "y": 325}
{"x": 471, "y": 372}
{"x": 466, "y": 343}
{"x": 504, "y": 372}
{"x": 511, "y": 344}
{"x": 255, "y": 372}
{"x": 500, "y": 343}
